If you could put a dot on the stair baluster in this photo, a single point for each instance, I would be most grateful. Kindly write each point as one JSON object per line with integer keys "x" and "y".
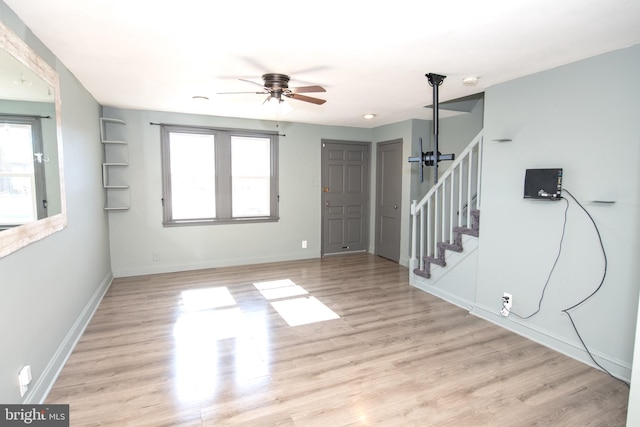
{"x": 435, "y": 228}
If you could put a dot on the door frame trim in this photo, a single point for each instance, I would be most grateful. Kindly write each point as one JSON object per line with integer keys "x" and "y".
{"x": 369, "y": 144}
{"x": 376, "y": 219}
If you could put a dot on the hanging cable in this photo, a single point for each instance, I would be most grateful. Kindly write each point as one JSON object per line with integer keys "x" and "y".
{"x": 604, "y": 275}
{"x": 544, "y": 288}
{"x": 604, "y": 254}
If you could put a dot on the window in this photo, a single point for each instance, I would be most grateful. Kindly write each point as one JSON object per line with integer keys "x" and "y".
{"x": 218, "y": 176}
{"x": 22, "y": 182}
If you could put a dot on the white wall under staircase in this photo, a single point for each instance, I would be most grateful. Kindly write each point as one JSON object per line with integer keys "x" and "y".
{"x": 455, "y": 283}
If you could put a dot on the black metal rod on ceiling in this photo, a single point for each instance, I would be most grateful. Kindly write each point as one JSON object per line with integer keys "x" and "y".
{"x": 435, "y": 80}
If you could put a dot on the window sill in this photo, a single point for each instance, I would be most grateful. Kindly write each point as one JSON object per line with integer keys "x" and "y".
{"x": 249, "y": 220}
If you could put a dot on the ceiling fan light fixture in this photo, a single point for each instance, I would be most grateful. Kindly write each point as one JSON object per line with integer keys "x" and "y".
{"x": 277, "y": 104}
{"x": 274, "y": 101}
{"x": 284, "y": 107}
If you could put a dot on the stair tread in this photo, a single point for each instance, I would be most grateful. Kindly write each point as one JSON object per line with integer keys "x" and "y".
{"x": 456, "y": 246}
{"x": 451, "y": 246}
{"x": 435, "y": 260}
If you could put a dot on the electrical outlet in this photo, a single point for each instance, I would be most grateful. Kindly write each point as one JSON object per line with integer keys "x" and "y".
{"x": 24, "y": 379}
{"x": 507, "y": 302}
{"x": 304, "y": 244}
{"x": 156, "y": 256}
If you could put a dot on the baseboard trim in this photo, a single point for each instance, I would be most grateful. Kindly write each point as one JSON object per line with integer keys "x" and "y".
{"x": 441, "y": 293}
{"x": 174, "y": 268}
{"x": 43, "y": 385}
{"x": 617, "y": 368}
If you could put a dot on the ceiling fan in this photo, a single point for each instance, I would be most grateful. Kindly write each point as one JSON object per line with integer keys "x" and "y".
{"x": 276, "y": 86}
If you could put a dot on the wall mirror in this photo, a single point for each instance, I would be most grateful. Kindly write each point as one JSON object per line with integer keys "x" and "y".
{"x": 32, "y": 193}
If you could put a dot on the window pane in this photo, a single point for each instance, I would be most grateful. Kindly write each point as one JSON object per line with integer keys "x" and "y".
{"x": 251, "y": 176}
{"x": 192, "y": 164}
{"x": 17, "y": 175}
{"x": 218, "y": 176}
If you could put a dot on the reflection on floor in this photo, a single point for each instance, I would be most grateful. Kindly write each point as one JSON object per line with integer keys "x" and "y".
{"x": 211, "y": 314}
{"x": 217, "y": 348}
{"x": 203, "y": 299}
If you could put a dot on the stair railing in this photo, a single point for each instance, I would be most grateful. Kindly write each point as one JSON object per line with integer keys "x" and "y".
{"x": 448, "y": 204}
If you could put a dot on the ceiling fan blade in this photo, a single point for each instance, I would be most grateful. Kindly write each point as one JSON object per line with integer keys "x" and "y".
{"x": 234, "y": 93}
{"x": 307, "y": 89}
{"x": 305, "y": 98}
{"x": 252, "y": 82}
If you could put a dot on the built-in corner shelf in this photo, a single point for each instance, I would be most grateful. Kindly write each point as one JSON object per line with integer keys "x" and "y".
{"x": 116, "y": 160}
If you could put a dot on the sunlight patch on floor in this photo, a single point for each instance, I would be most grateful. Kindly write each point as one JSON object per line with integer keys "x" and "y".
{"x": 277, "y": 289}
{"x": 295, "y": 311}
{"x": 302, "y": 311}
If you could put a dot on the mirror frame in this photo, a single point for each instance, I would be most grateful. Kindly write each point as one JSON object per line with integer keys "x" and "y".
{"x": 18, "y": 237}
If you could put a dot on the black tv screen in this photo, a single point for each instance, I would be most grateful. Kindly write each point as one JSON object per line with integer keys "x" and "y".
{"x": 543, "y": 184}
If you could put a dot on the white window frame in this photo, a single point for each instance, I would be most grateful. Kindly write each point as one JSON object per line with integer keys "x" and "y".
{"x": 223, "y": 175}
{"x": 38, "y": 181}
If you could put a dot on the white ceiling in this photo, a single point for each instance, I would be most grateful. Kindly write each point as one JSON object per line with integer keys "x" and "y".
{"x": 371, "y": 57}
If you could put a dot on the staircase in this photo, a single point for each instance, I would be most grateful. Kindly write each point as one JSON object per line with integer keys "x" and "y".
{"x": 449, "y": 211}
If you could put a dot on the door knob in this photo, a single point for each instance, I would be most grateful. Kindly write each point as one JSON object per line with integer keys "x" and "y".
{"x": 395, "y": 206}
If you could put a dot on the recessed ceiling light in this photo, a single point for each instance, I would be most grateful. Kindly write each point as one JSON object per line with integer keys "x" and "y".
{"x": 200, "y": 97}
{"x": 470, "y": 80}
{"x": 369, "y": 116}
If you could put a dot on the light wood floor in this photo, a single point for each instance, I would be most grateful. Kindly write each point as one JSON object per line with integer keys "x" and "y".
{"x": 155, "y": 356}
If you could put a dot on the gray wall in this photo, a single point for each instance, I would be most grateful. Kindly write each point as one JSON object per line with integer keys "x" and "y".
{"x": 137, "y": 233}
{"x": 50, "y": 287}
{"x": 192, "y": 247}
{"x": 458, "y": 131}
{"x": 455, "y": 133}
{"x": 582, "y": 117}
